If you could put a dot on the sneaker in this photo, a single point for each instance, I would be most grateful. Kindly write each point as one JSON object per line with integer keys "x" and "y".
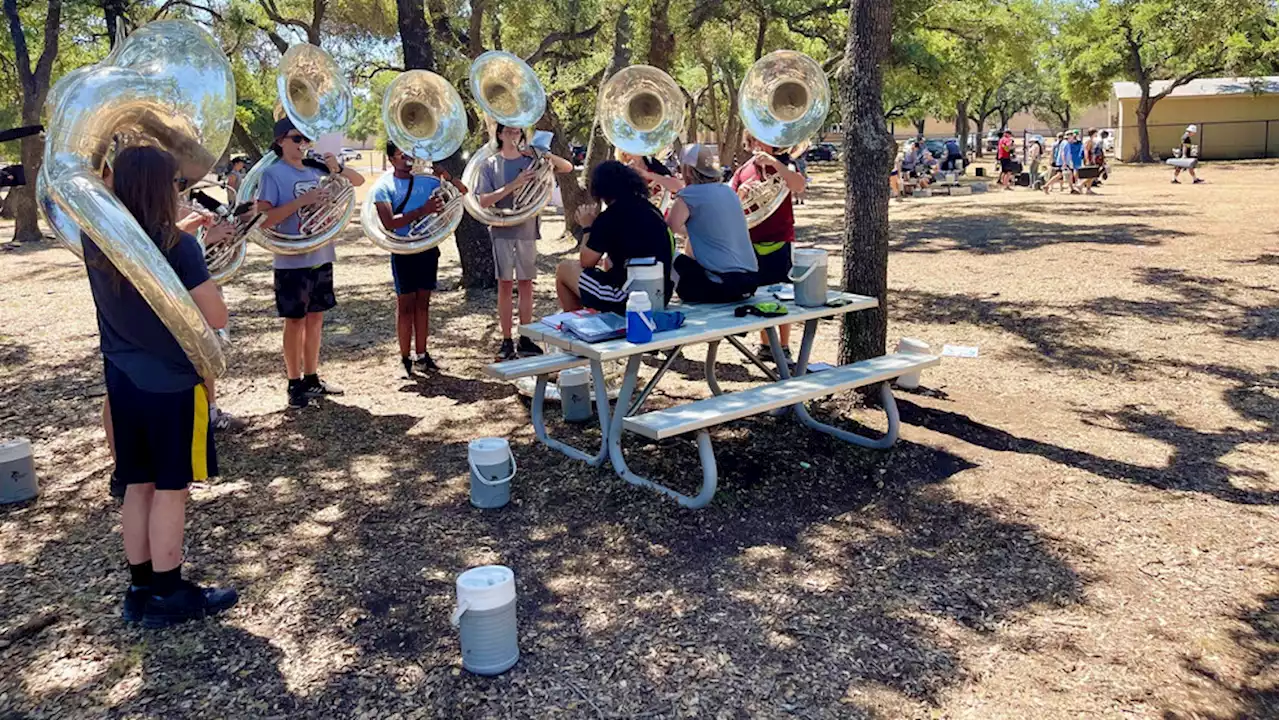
{"x": 425, "y": 363}
{"x": 135, "y": 603}
{"x": 297, "y": 395}
{"x": 223, "y": 421}
{"x": 1197, "y": 181}
{"x": 507, "y": 350}
{"x": 764, "y": 354}
{"x": 116, "y": 487}
{"x": 314, "y": 387}
{"x": 408, "y": 366}
{"x": 190, "y": 602}
{"x": 1175, "y": 181}
{"x": 528, "y": 347}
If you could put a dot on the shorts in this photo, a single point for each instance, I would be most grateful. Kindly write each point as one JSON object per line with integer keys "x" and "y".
{"x": 697, "y": 285}
{"x": 1008, "y": 165}
{"x": 518, "y": 258}
{"x": 774, "y": 266}
{"x": 304, "y": 290}
{"x": 419, "y": 271}
{"x": 597, "y": 294}
{"x": 161, "y": 438}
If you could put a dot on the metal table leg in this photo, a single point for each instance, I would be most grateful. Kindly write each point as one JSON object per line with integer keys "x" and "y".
{"x": 540, "y": 429}
{"x": 653, "y": 382}
{"x": 705, "y": 454}
{"x": 802, "y": 413}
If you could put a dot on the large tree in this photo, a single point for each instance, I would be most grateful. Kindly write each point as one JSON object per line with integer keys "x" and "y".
{"x": 868, "y": 155}
{"x": 34, "y": 83}
{"x": 1177, "y": 41}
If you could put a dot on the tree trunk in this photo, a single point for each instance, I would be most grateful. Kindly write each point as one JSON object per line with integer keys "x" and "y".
{"x": 868, "y": 157}
{"x": 475, "y": 28}
{"x": 662, "y": 40}
{"x": 415, "y": 36}
{"x": 1143, "y": 112}
{"x": 573, "y": 192}
{"x": 962, "y": 124}
{"x": 919, "y": 125}
{"x": 246, "y": 142}
{"x": 114, "y": 13}
{"x": 35, "y": 87}
{"x": 598, "y": 146}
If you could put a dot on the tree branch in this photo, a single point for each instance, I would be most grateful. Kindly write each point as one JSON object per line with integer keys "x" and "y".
{"x": 184, "y": 3}
{"x": 545, "y": 46}
{"x": 375, "y": 68}
{"x": 273, "y": 14}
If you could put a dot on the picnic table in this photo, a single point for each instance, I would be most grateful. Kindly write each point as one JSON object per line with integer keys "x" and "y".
{"x": 709, "y": 324}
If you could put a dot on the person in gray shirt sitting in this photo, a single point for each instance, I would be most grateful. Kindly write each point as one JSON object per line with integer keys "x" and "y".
{"x": 718, "y": 264}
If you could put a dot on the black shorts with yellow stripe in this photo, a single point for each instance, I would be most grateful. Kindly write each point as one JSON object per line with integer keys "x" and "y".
{"x": 161, "y": 438}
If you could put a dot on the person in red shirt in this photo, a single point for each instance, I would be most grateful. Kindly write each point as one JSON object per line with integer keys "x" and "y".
{"x": 1004, "y": 153}
{"x": 772, "y": 239}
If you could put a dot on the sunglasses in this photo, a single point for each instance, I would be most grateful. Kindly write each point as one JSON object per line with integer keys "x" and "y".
{"x": 297, "y": 139}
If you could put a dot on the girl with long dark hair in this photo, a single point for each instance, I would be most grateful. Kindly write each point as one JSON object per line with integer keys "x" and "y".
{"x": 158, "y": 404}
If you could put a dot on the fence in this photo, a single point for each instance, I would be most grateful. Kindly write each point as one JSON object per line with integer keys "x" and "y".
{"x": 1218, "y": 140}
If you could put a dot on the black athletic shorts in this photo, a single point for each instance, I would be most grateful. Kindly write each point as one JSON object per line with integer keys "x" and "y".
{"x": 697, "y": 285}
{"x": 419, "y": 271}
{"x": 304, "y": 290}
{"x": 774, "y": 266}
{"x": 161, "y": 438}
{"x": 1009, "y": 165}
{"x": 598, "y": 294}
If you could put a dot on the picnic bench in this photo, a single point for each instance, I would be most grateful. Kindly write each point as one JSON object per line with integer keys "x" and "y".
{"x": 710, "y": 325}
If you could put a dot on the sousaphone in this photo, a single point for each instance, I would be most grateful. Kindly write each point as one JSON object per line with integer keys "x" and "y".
{"x": 317, "y": 98}
{"x": 783, "y": 101}
{"x": 425, "y": 118}
{"x": 167, "y": 85}
{"x": 641, "y": 111}
{"x": 509, "y": 93}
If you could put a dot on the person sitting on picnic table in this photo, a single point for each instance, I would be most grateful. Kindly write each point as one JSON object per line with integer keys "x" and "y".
{"x": 630, "y": 227}
{"x": 719, "y": 264}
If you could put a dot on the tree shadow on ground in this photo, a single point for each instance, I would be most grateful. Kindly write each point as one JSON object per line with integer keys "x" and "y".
{"x": 1258, "y": 696}
{"x": 1005, "y": 230}
{"x": 1196, "y": 465}
{"x": 344, "y": 529}
{"x": 1202, "y": 301}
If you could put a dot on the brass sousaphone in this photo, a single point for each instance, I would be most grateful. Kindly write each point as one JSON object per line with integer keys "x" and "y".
{"x": 167, "y": 85}
{"x": 425, "y": 118}
{"x": 783, "y": 101}
{"x": 510, "y": 93}
{"x": 317, "y": 98}
{"x": 641, "y": 111}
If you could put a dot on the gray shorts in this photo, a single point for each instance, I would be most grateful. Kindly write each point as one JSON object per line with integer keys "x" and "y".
{"x": 515, "y": 257}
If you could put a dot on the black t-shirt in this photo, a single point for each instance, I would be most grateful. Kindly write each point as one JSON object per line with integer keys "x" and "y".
{"x": 627, "y": 229}
{"x": 1186, "y": 145}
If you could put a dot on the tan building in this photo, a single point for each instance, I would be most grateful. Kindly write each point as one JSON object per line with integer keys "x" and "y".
{"x": 1236, "y": 117}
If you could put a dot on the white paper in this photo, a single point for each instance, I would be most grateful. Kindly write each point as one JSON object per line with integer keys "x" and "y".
{"x": 964, "y": 351}
{"x": 328, "y": 143}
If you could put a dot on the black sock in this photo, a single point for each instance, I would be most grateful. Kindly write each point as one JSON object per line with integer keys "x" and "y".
{"x": 312, "y": 379}
{"x": 294, "y": 384}
{"x": 166, "y": 582}
{"x": 140, "y": 574}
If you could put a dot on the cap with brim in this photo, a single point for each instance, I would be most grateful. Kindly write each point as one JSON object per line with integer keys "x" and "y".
{"x": 282, "y": 128}
{"x": 699, "y": 157}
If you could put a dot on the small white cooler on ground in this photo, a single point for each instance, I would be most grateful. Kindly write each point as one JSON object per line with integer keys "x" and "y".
{"x": 575, "y": 394}
{"x": 492, "y": 468}
{"x": 486, "y": 619}
{"x": 17, "y": 472}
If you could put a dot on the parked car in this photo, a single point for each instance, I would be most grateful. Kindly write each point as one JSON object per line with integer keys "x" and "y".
{"x": 937, "y": 146}
{"x": 991, "y": 141}
{"x": 349, "y": 154}
{"x": 822, "y": 152}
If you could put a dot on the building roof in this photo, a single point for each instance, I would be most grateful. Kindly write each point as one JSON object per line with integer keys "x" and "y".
{"x": 1203, "y": 87}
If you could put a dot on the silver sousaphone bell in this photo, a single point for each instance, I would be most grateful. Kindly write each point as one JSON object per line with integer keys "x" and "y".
{"x": 425, "y": 118}
{"x": 510, "y": 93}
{"x": 641, "y": 112}
{"x": 783, "y": 101}
{"x": 317, "y": 98}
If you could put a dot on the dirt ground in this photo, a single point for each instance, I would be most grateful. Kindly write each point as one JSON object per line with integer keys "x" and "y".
{"x": 1079, "y": 522}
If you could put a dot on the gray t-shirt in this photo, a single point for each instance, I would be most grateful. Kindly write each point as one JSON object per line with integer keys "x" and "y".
{"x": 496, "y": 173}
{"x": 282, "y": 184}
{"x": 717, "y": 228}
